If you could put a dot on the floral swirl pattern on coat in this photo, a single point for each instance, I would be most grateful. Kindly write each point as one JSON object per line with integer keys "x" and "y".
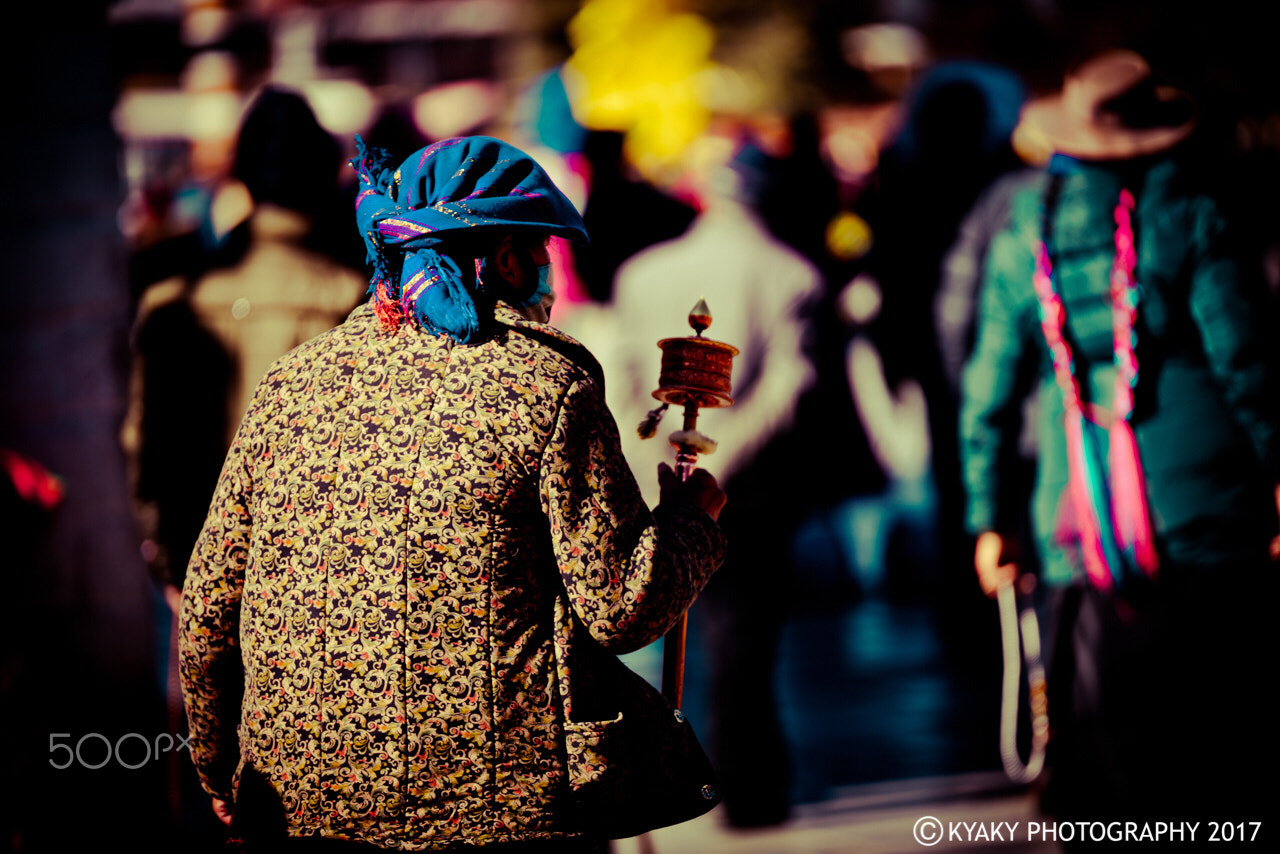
{"x": 409, "y": 540}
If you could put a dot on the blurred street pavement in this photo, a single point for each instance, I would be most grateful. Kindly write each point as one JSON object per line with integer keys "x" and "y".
{"x": 870, "y": 819}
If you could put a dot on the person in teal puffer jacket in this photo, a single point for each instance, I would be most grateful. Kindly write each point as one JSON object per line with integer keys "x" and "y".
{"x": 1156, "y": 505}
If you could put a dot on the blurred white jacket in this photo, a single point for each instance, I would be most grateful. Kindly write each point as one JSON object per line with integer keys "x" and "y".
{"x": 756, "y": 288}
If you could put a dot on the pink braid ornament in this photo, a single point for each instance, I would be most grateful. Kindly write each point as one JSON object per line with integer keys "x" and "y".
{"x": 1110, "y": 515}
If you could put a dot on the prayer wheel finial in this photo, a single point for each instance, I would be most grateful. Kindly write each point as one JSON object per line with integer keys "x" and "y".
{"x": 700, "y": 317}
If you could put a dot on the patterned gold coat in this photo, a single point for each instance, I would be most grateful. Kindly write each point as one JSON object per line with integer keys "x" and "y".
{"x": 414, "y": 548}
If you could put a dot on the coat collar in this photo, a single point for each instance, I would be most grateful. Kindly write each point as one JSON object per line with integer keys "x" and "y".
{"x": 1085, "y": 215}
{"x": 506, "y": 316}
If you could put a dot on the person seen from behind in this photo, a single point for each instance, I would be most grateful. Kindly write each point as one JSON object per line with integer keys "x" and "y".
{"x": 1155, "y": 506}
{"x": 424, "y": 541}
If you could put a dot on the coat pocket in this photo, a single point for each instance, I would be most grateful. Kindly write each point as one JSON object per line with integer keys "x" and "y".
{"x": 595, "y": 753}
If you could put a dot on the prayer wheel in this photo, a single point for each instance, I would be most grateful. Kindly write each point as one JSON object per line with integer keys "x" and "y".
{"x": 696, "y": 370}
{"x": 696, "y": 373}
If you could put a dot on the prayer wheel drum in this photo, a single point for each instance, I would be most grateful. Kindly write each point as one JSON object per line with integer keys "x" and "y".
{"x": 695, "y": 370}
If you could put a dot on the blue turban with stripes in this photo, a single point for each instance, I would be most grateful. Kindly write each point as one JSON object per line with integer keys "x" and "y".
{"x": 467, "y": 185}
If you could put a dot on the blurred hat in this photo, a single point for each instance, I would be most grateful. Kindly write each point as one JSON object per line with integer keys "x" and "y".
{"x": 1111, "y": 109}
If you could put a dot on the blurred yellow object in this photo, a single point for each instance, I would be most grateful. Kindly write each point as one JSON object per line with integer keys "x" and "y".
{"x": 848, "y": 236}
{"x": 639, "y": 65}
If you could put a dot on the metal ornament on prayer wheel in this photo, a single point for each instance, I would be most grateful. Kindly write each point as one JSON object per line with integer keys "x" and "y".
{"x": 696, "y": 374}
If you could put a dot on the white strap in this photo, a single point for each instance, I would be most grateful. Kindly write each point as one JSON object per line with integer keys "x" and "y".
{"x": 1013, "y": 625}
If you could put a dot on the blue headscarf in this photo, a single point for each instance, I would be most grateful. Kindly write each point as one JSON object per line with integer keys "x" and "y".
{"x": 456, "y": 185}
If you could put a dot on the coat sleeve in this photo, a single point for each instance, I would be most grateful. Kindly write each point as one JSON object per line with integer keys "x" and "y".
{"x": 1226, "y": 306}
{"x": 964, "y": 267}
{"x": 209, "y": 620}
{"x": 991, "y": 404}
{"x": 629, "y": 573}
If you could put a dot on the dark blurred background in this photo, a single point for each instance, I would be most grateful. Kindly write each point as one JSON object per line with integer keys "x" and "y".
{"x": 883, "y": 122}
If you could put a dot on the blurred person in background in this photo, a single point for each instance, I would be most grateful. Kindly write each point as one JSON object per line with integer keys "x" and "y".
{"x": 624, "y": 214}
{"x": 964, "y": 268}
{"x": 1155, "y": 503}
{"x": 426, "y": 545}
{"x": 955, "y": 308}
{"x": 220, "y": 332}
{"x": 759, "y": 291}
{"x": 891, "y": 421}
{"x": 952, "y": 144}
{"x": 201, "y": 344}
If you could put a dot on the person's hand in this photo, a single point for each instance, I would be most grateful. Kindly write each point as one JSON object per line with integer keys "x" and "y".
{"x": 700, "y": 489}
{"x": 996, "y": 560}
{"x": 222, "y": 810}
